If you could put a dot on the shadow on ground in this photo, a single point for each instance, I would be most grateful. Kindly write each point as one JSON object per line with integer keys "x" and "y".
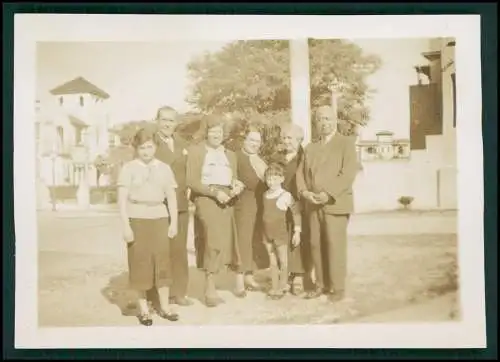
{"x": 118, "y": 292}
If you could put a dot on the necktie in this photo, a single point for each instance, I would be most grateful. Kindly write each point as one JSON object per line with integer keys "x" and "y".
{"x": 170, "y": 143}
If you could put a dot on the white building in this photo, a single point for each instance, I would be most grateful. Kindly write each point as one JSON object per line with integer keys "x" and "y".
{"x": 427, "y": 172}
{"x": 72, "y": 114}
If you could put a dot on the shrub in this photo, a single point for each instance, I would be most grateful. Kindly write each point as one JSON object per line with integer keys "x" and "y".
{"x": 405, "y": 201}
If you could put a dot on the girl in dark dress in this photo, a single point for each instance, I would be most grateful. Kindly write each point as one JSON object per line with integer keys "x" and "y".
{"x": 148, "y": 226}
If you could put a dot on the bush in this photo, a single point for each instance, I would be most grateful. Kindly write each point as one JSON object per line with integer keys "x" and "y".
{"x": 405, "y": 201}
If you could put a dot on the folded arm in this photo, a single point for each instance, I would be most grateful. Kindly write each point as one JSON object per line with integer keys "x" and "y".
{"x": 193, "y": 175}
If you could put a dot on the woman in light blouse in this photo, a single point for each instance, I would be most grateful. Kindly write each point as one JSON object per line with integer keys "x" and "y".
{"x": 144, "y": 184}
{"x": 211, "y": 173}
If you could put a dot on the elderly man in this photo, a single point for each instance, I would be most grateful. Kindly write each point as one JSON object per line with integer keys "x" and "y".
{"x": 324, "y": 181}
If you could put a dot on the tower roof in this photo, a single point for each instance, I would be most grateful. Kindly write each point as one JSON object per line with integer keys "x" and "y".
{"x": 79, "y": 85}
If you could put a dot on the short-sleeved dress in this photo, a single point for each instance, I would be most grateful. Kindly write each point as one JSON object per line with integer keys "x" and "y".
{"x": 148, "y": 253}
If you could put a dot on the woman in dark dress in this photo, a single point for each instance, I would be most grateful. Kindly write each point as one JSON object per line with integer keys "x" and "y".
{"x": 292, "y": 136}
{"x": 251, "y": 170}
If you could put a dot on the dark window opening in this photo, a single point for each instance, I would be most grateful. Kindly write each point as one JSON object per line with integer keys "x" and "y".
{"x": 78, "y": 136}
{"x": 81, "y": 101}
{"x": 454, "y": 90}
{"x": 61, "y": 101}
{"x": 60, "y": 137}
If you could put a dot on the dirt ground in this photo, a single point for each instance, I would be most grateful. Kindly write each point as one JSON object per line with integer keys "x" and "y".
{"x": 394, "y": 276}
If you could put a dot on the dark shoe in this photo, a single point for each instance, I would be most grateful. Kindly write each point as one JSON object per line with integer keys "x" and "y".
{"x": 253, "y": 288}
{"x": 273, "y": 295}
{"x": 183, "y": 302}
{"x": 314, "y": 294}
{"x": 296, "y": 289}
{"x": 145, "y": 319}
{"x": 171, "y": 316}
{"x": 240, "y": 294}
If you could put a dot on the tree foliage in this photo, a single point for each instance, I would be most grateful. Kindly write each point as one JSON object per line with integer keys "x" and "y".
{"x": 252, "y": 77}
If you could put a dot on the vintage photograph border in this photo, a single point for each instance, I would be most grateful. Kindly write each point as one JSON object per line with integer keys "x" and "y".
{"x": 32, "y": 28}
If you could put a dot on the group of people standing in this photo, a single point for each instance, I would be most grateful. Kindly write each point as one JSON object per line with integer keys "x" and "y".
{"x": 296, "y": 208}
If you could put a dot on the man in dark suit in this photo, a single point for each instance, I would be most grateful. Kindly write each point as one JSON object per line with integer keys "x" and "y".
{"x": 172, "y": 150}
{"x": 324, "y": 179}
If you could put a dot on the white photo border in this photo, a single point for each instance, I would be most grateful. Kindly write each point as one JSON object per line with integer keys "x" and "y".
{"x": 470, "y": 332}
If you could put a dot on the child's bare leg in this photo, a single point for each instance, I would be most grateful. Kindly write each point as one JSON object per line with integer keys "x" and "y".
{"x": 282, "y": 253}
{"x": 273, "y": 261}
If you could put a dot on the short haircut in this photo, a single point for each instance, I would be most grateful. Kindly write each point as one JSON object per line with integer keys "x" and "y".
{"x": 252, "y": 127}
{"x": 323, "y": 110}
{"x": 144, "y": 135}
{"x": 292, "y": 128}
{"x": 275, "y": 169}
{"x": 212, "y": 120}
{"x": 164, "y": 109}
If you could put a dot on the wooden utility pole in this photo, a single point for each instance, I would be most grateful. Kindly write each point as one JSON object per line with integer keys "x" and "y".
{"x": 300, "y": 86}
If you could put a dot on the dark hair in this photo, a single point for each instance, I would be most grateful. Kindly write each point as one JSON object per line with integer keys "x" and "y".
{"x": 164, "y": 109}
{"x": 144, "y": 135}
{"x": 275, "y": 169}
{"x": 253, "y": 127}
{"x": 210, "y": 121}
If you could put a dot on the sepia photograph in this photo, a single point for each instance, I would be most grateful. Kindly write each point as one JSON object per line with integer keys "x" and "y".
{"x": 246, "y": 179}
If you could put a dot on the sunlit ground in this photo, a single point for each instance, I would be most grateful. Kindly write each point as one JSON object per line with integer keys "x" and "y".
{"x": 83, "y": 277}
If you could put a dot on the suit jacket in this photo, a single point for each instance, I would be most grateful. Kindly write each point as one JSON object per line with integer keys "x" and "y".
{"x": 331, "y": 168}
{"x": 195, "y": 159}
{"x": 177, "y": 161}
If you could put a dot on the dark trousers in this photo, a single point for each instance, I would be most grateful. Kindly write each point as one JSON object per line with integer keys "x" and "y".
{"x": 329, "y": 249}
{"x": 178, "y": 260}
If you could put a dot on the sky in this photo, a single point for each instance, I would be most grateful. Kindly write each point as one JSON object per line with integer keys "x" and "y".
{"x": 140, "y": 77}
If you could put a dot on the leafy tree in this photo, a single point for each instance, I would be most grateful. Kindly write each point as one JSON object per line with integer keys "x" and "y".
{"x": 252, "y": 77}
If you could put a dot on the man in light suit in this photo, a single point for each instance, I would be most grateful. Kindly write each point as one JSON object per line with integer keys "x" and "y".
{"x": 324, "y": 180}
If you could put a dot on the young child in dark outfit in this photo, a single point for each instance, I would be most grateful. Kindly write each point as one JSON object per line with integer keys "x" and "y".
{"x": 277, "y": 202}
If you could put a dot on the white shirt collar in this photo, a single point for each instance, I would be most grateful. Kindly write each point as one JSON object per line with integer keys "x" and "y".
{"x": 151, "y": 163}
{"x": 328, "y": 138}
{"x": 215, "y": 150}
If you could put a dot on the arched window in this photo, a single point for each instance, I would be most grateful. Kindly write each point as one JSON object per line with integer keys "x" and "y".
{"x": 82, "y": 101}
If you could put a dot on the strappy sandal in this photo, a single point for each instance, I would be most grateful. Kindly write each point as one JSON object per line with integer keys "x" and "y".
{"x": 171, "y": 316}
{"x": 145, "y": 319}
